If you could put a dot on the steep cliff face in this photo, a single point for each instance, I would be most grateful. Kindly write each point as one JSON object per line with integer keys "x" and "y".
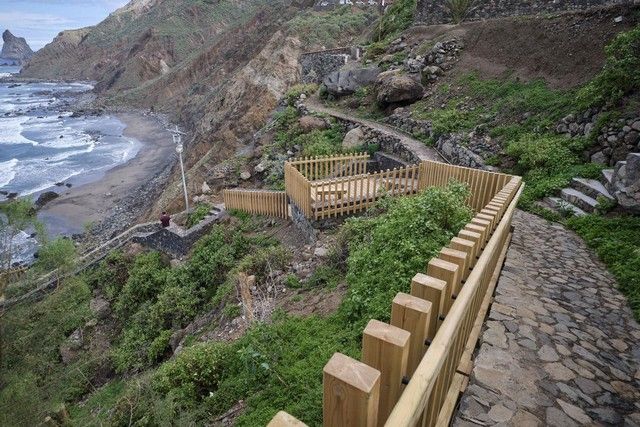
{"x": 15, "y": 50}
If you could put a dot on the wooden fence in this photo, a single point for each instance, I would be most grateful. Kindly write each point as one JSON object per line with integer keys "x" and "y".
{"x": 433, "y": 330}
{"x": 335, "y": 166}
{"x": 262, "y": 202}
{"x": 351, "y": 194}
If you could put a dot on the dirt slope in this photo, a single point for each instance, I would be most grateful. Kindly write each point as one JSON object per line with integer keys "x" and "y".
{"x": 565, "y": 50}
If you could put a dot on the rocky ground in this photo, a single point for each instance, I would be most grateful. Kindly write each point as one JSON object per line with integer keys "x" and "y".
{"x": 560, "y": 345}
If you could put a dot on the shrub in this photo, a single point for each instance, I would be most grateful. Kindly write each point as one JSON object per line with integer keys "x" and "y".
{"x": 619, "y": 75}
{"x": 198, "y": 214}
{"x": 397, "y": 18}
{"x": 617, "y": 243}
{"x": 387, "y": 250}
{"x": 459, "y": 9}
{"x": 293, "y": 94}
{"x": 194, "y": 374}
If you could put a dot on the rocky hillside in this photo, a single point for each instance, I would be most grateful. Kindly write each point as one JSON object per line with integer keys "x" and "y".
{"x": 15, "y": 50}
{"x": 216, "y": 67}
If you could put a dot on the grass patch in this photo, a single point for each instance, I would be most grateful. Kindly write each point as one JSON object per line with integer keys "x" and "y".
{"x": 617, "y": 243}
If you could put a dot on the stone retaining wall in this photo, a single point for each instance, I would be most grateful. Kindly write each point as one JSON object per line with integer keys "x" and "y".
{"x": 176, "y": 241}
{"x": 315, "y": 66}
{"x": 432, "y": 12}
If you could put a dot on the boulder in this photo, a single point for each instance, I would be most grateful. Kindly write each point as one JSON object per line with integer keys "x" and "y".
{"x": 431, "y": 73}
{"x": 205, "y": 188}
{"x": 392, "y": 88}
{"x": 346, "y": 82}
{"x": 45, "y": 198}
{"x": 100, "y": 307}
{"x": 310, "y": 123}
{"x": 599, "y": 157}
{"x": 353, "y": 139}
{"x": 245, "y": 175}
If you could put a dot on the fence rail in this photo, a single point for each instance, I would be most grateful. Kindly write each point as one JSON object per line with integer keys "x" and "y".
{"x": 434, "y": 329}
{"x": 262, "y": 202}
{"x": 335, "y": 166}
{"x": 351, "y": 194}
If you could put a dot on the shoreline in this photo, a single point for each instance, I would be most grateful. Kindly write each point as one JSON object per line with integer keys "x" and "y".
{"x": 121, "y": 195}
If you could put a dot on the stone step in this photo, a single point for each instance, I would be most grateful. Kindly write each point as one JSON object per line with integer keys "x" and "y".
{"x": 579, "y": 199}
{"x": 557, "y": 204}
{"x": 591, "y": 188}
{"x": 606, "y": 177}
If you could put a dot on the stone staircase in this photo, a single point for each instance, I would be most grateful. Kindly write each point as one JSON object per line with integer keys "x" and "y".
{"x": 581, "y": 197}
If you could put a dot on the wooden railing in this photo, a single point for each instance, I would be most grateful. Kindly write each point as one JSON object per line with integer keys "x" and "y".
{"x": 482, "y": 184}
{"x": 261, "y": 202}
{"x": 351, "y": 194}
{"x": 335, "y": 166}
{"x": 433, "y": 330}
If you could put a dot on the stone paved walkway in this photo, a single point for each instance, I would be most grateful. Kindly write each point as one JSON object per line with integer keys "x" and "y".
{"x": 560, "y": 347}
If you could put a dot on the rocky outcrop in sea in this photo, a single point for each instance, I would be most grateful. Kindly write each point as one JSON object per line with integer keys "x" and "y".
{"x": 15, "y": 50}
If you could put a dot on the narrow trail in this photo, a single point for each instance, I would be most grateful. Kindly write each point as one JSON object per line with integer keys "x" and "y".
{"x": 560, "y": 347}
{"x": 417, "y": 147}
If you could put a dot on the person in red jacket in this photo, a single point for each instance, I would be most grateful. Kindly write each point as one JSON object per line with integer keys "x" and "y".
{"x": 165, "y": 219}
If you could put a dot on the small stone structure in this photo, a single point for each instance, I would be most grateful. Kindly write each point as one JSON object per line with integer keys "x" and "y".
{"x": 176, "y": 241}
{"x": 625, "y": 183}
{"x": 315, "y": 66}
{"x": 615, "y": 140}
{"x": 432, "y": 12}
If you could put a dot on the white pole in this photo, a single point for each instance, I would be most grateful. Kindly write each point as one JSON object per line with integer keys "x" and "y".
{"x": 184, "y": 185}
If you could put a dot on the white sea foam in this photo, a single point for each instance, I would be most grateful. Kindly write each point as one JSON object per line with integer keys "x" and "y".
{"x": 7, "y": 171}
{"x": 11, "y": 130}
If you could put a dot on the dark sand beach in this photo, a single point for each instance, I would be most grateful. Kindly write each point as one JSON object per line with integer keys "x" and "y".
{"x": 121, "y": 195}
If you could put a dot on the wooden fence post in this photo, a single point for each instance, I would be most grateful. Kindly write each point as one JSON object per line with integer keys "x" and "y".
{"x": 351, "y": 391}
{"x": 432, "y": 290}
{"x": 447, "y": 271}
{"x": 412, "y": 314}
{"x": 386, "y": 348}
{"x": 458, "y": 258}
{"x": 282, "y": 419}
{"x": 468, "y": 247}
{"x": 475, "y": 238}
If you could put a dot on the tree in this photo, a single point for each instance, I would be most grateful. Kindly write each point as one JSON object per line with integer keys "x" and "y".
{"x": 15, "y": 216}
{"x": 57, "y": 255}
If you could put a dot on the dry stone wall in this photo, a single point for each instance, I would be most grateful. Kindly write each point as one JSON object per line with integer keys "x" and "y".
{"x": 432, "y": 12}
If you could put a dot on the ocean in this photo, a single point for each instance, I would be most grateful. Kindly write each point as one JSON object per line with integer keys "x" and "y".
{"x": 44, "y": 147}
{"x": 42, "y": 144}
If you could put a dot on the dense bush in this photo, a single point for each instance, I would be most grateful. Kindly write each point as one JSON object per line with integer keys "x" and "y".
{"x": 198, "y": 214}
{"x": 619, "y": 75}
{"x": 319, "y": 142}
{"x": 617, "y": 243}
{"x": 194, "y": 374}
{"x": 397, "y": 18}
{"x": 388, "y": 249}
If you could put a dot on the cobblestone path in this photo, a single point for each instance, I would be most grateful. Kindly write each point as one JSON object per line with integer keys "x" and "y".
{"x": 560, "y": 346}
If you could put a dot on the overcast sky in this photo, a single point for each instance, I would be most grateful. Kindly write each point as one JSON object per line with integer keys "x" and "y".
{"x": 39, "y": 21}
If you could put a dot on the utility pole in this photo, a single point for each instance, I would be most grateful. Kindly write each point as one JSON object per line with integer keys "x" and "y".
{"x": 177, "y": 139}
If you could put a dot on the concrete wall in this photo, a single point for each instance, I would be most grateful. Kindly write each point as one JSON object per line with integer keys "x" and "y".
{"x": 436, "y": 11}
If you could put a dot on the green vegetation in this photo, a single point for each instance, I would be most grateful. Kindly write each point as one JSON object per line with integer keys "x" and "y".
{"x": 322, "y": 28}
{"x": 274, "y": 366}
{"x": 619, "y": 76}
{"x": 15, "y": 216}
{"x": 398, "y": 18}
{"x": 617, "y": 243}
{"x": 458, "y": 9}
{"x": 293, "y": 94}
{"x": 198, "y": 214}
{"x": 318, "y": 142}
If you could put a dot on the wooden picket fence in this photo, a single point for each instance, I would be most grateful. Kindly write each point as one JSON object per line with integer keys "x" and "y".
{"x": 413, "y": 369}
{"x": 260, "y": 202}
{"x": 334, "y": 166}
